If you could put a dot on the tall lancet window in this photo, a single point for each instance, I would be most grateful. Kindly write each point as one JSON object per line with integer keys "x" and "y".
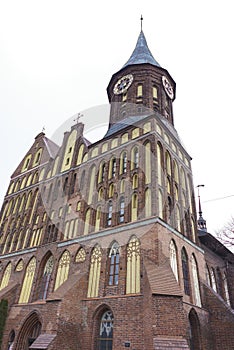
{"x": 173, "y": 259}
{"x": 133, "y": 266}
{"x": 45, "y": 278}
{"x": 197, "y": 296}
{"x": 105, "y": 338}
{"x": 63, "y": 269}
{"x": 213, "y": 280}
{"x": 114, "y": 265}
{"x": 6, "y": 277}
{"x": 94, "y": 272}
{"x": 185, "y": 269}
{"x": 28, "y": 281}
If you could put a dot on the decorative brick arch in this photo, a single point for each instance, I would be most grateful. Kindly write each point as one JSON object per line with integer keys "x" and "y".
{"x": 29, "y": 331}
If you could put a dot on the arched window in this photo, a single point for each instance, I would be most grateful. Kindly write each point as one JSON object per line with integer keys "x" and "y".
{"x": 55, "y": 166}
{"x": 122, "y": 186}
{"x": 6, "y": 277}
{"x": 29, "y": 180}
{"x": 147, "y": 163}
{"x": 133, "y": 266}
{"x": 73, "y": 184}
{"x": 101, "y": 174}
{"x": 28, "y": 281}
{"x": 134, "y": 207}
{"x": 135, "y": 181}
{"x": 112, "y": 168}
{"x": 213, "y": 280}
{"x": 197, "y": 296}
{"x": 121, "y": 210}
{"x": 109, "y": 213}
{"x": 178, "y": 218}
{"x": 208, "y": 281}
{"x": 68, "y": 154}
{"x": 80, "y": 154}
{"x": 176, "y": 172}
{"x": 159, "y": 163}
{"x": 37, "y": 157}
{"x": 45, "y": 278}
{"x": 123, "y": 163}
{"x": 139, "y": 91}
{"x": 87, "y": 222}
{"x": 225, "y": 287}
{"x": 63, "y": 269}
{"x": 100, "y": 194}
{"x": 111, "y": 190}
{"x": 80, "y": 256}
{"x": 134, "y": 158}
{"x": 28, "y": 200}
{"x": 91, "y": 185}
{"x": 148, "y": 204}
{"x": 105, "y": 338}
{"x": 185, "y": 270}
{"x": 114, "y": 265}
{"x": 168, "y": 163}
{"x": 173, "y": 259}
{"x": 98, "y": 218}
{"x": 94, "y": 272}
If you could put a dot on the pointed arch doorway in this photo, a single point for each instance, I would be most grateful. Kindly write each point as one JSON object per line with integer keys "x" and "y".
{"x": 195, "y": 338}
{"x": 30, "y": 330}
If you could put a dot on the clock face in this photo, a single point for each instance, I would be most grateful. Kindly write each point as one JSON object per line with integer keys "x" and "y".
{"x": 168, "y": 87}
{"x": 123, "y": 84}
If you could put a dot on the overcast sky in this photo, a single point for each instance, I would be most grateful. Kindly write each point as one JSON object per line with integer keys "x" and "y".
{"x": 57, "y": 57}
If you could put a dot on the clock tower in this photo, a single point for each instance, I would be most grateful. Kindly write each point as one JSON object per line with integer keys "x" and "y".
{"x": 141, "y": 83}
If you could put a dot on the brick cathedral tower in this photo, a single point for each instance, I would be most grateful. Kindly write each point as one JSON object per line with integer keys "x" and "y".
{"x": 99, "y": 243}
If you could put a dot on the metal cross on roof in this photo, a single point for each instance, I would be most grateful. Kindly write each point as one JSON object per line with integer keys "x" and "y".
{"x": 79, "y": 115}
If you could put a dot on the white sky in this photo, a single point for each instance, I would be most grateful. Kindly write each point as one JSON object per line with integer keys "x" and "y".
{"x": 57, "y": 57}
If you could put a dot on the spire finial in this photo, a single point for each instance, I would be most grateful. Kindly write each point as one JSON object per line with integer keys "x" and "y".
{"x": 79, "y": 115}
{"x": 201, "y": 222}
{"x": 141, "y": 22}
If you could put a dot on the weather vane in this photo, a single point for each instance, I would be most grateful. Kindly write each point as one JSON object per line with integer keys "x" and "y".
{"x": 79, "y": 115}
{"x": 43, "y": 129}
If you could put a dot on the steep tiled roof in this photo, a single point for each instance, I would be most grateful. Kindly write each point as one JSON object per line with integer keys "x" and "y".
{"x": 141, "y": 53}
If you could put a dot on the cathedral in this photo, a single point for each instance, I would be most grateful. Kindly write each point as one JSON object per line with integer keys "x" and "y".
{"x": 101, "y": 247}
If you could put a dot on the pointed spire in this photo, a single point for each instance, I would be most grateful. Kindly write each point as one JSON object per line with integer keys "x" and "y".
{"x": 141, "y": 53}
{"x": 201, "y": 223}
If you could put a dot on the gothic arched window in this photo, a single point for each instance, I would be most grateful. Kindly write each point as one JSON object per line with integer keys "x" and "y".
{"x": 28, "y": 281}
{"x": 114, "y": 265}
{"x": 94, "y": 272}
{"x": 197, "y": 296}
{"x": 105, "y": 338}
{"x": 109, "y": 213}
{"x": 6, "y": 277}
{"x": 173, "y": 259}
{"x": 185, "y": 270}
{"x": 121, "y": 210}
{"x": 147, "y": 163}
{"x": 213, "y": 280}
{"x": 63, "y": 269}
{"x": 148, "y": 204}
{"x": 133, "y": 266}
{"x": 45, "y": 278}
{"x": 134, "y": 206}
{"x": 134, "y": 158}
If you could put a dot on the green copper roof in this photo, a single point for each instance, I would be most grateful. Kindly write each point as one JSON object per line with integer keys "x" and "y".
{"x": 141, "y": 53}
